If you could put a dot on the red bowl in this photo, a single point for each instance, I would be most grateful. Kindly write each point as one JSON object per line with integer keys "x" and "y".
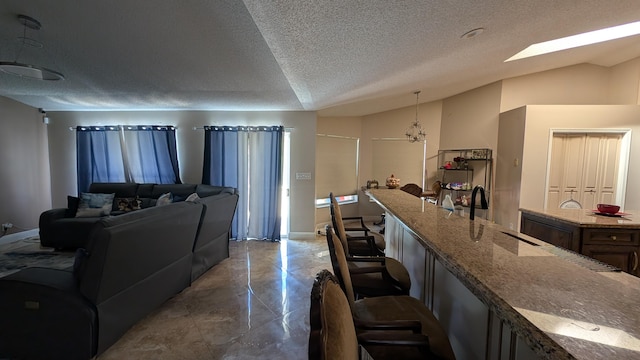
{"x": 608, "y": 209}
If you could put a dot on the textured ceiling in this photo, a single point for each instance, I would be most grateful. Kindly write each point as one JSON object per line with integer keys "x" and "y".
{"x": 341, "y": 57}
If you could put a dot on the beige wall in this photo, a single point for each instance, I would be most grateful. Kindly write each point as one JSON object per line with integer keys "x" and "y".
{"x": 625, "y": 83}
{"x": 24, "y": 165}
{"x": 580, "y": 85}
{"x": 191, "y": 149}
{"x": 470, "y": 119}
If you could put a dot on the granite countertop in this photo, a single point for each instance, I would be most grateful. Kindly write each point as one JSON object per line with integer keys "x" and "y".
{"x": 587, "y": 218}
{"x": 560, "y": 309}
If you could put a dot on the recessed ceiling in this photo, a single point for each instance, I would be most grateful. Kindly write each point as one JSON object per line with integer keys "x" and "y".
{"x": 346, "y": 58}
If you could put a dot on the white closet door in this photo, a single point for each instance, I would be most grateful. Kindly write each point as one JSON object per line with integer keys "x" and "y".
{"x": 584, "y": 167}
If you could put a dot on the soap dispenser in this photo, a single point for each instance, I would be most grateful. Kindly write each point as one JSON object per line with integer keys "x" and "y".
{"x": 447, "y": 203}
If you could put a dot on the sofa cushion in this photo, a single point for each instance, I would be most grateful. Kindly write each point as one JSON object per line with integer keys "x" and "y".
{"x": 178, "y": 198}
{"x": 175, "y": 189}
{"x": 92, "y": 205}
{"x": 145, "y": 191}
{"x": 121, "y": 190}
{"x": 205, "y": 190}
{"x": 148, "y": 202}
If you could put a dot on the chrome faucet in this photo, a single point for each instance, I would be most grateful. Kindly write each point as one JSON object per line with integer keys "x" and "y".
{"x": 483, "y": 201}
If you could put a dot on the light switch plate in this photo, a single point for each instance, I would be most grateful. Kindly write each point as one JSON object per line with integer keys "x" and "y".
{"x": 303, "y": 176}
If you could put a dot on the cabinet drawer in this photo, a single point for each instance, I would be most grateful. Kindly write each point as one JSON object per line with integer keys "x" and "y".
{"x": 623, "y": 257}
{"x": 611, "y": 236}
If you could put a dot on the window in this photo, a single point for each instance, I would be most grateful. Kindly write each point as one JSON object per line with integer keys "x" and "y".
{"x": 248, "y": 158}
{"x": 143, "y": 154}
{"x": 336, "y": 169}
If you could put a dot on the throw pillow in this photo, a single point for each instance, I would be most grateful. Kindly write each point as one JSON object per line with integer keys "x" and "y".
{"x": 92, "y": 205}
{"x": 72, "y": 205}
{"x": 129, "y": 204}
{"x": 193, "y": 197}
{"x": 164, "y": 199}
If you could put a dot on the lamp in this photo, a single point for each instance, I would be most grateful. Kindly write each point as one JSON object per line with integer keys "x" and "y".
{"x": 27, "y": 70}
{"x": 414, "y": 132}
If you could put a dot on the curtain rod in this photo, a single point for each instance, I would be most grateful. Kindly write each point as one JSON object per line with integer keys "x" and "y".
{"x": 73, "y": 128}
{"x": 202, "y": 127}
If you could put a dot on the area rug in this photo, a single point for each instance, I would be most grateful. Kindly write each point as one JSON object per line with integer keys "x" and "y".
{"x": 28, "y": 253}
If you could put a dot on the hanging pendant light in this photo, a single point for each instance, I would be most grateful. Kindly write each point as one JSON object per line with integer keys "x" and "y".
{"x": 414, "y": 132}
{"x": 21, "y": 69}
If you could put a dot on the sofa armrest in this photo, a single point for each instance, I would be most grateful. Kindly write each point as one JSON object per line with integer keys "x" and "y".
{"x": 45, "y": 316}
{"x": 51, "y": 215}
{"x": 47, "y": 218}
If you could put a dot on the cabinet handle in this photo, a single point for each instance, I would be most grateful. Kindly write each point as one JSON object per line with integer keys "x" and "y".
{"x": 613, "y": 237}
{"x": 635, "y": 260}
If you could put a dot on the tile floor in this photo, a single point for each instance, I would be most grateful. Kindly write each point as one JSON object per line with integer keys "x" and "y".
{"x": 253, "y": 305}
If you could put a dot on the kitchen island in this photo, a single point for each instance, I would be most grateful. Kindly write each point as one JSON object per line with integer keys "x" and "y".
{"x": 614, "y": 240}
{"x": 504, "y": 295}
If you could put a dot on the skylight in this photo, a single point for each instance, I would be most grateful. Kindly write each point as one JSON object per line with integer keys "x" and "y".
{"x": 569, "y": 42}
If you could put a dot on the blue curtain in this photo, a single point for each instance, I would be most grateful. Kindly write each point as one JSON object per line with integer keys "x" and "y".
{"x": 145, "y": 154}
{"x": 249, "y": 159}
{"x": 151, "y": 154}
{"x": 99, "y": 156}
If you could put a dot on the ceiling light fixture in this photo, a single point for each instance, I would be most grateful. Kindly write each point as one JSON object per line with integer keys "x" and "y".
{"x": 570, "y": 42}
{"x": 27, "y": 70}
{"x": 414, "y": 132}
{"x": 472, "y": 33}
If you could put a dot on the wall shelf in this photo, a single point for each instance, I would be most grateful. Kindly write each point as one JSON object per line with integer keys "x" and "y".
{"x": 460, "y": 170}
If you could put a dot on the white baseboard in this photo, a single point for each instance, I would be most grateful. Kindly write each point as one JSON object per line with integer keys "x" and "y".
{"x": 298, "y": 235}
{"x": 321, "y": 227}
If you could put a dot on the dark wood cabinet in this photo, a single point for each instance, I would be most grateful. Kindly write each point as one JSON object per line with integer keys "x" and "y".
{"x": 616, "y": 247}
{"x": 553, "y": 232}
{"x": 623, "y": 257}
{"x": 613, "y": 246}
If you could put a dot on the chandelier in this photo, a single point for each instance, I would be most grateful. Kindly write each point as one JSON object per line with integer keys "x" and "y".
{"x": 414, "y": 132}
{"x": 27, "y": 70}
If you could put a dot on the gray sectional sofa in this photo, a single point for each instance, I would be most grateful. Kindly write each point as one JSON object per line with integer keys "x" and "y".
{"x": 129, "y": 264}
{"x": 62, "y": 229}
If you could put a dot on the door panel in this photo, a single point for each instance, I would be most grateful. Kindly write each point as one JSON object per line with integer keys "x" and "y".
{"x": 584, "y": 167}
{"x": 573, "y": 162}
{"x": 556, "y": 170}
{"x": 609, "y": 169}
